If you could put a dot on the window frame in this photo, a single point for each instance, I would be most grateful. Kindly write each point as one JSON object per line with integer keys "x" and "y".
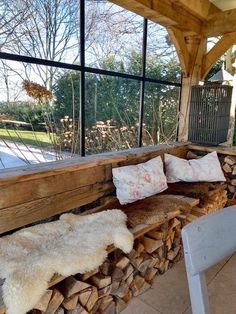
{"x": 142, "y": 78}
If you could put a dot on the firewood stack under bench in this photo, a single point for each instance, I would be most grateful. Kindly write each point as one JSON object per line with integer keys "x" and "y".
{"x": 88, "y": 182}
{"x": 110, "y": 288}
{"x": 227, "y": 157}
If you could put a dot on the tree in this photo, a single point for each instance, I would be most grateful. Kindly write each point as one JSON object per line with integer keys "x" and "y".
{"x": 12, "y": 16}
{"x": 111, "y": 32}
{"x": 118, "y": 99}
{"x": 67, "y": 96}
{"x": 50, "y": 32}
{"x": 216, "y": 67}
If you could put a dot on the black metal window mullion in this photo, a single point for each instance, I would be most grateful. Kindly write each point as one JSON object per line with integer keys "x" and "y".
{"x": 142, "y": 83}
{"x": 180, "y": 100}
{"x": 82, "y": 78}
{"x": 84, "y": 69}
{"x": 77, "y": 67}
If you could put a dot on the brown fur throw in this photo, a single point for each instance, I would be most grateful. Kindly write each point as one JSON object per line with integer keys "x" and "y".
{"x": 152, "y": 209}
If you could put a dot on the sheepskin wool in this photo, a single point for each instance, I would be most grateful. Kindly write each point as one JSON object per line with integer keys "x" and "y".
{"x": 74, "y": 244}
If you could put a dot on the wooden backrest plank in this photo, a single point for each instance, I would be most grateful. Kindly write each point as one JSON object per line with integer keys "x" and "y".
{"x": 27, "y": 191}
{"x": 132, "y": 156}
{"x": 224, "y": 150}
{"x": 23, "y": 214}
{"x": 30, "y": 194}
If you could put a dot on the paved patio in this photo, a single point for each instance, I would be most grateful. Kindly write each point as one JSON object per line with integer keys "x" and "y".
{"x": 17, "y": 154}
{"x": 169, "y": 293}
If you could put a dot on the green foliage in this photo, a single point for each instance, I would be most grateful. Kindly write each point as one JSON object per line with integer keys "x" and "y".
{"x": 216, "y": 67}
{"x": 66, "y": 91}
{"x": 40, "y": 139}
{"x": 117, "y": 98}
{"x": 25, "y": 111}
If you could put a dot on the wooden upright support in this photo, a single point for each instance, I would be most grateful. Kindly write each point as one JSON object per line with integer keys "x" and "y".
{"x": 189, "y": 24}
{"x": 190, "y": 49}
{"x": 195, "y": 62}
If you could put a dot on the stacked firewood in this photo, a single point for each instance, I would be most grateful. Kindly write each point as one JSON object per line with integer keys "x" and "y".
{"x": 122, "y": 276}
{"x": 213, "y": 196}
{"x": 213, "y": 201}
{"x": 228, "y": 164}
{"x": 229, "y": 168}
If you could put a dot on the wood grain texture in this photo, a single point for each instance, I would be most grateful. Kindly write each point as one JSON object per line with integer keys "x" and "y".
{"x": 177, "y": 37}
{"x": 164, "y": 12}
{"x": 26, "y": 213}
{"x": 47, "y": 169}
{"x": 210, "y": 58}
{"x": 225, "y": 150}
{"x": 30, "y": 194}
{"x": 26, "y": 191}
{"x": 201, "y": 8}
{"x": 220, "y": 23}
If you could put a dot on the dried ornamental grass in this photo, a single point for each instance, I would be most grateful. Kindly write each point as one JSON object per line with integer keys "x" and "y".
{"x": 37, "y": 91}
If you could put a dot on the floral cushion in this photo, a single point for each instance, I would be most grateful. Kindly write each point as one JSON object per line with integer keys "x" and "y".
{"x": 207, "y": 169}
{"x": 136, "y": 182}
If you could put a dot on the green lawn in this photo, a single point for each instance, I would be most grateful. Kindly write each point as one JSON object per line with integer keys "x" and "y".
{"x": 27, "y": 137}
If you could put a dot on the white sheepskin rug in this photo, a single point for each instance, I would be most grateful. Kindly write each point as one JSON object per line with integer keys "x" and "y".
{"x": 74, "y": 244}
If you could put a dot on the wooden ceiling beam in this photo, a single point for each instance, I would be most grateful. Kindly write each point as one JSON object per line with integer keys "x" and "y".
{"x": 178, "y": 39}
{"x": 220, "y": 24}
{"x": 200, "y": 8}
{"x": 217, "y": 51}
{"x": 163, "y": 12}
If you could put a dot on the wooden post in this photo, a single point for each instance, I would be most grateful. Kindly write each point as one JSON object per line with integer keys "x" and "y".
{"x": 231, "y": 67}
{"x": 196, "y": 46}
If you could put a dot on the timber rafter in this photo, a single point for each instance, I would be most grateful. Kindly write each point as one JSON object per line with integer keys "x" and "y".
{"x": 220, "y": 23}
{"x": 189, "y": 23}
{"x": 200, "y": 8}
{"x": 164, "y": 12}
{"x": 192, "y": 16}
{"x": 217, "y": 51}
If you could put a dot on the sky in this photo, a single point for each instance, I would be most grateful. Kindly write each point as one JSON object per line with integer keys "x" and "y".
{"x": 110, "y": 30}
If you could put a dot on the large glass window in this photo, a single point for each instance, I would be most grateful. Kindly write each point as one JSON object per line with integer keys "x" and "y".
{"x": 112, "y": 106}
{"x": 39, "y": 113}
{"x": 113, "y": 37}
{"x": 161, "y": 110}
{"x": 61, "y": 96}
{"x": 162, "y": 62}
{"x": 45, "y": 29}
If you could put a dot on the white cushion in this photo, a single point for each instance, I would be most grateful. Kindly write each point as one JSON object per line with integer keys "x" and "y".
{"x": 136, "y": 182}
{"x": 207, "y": 169}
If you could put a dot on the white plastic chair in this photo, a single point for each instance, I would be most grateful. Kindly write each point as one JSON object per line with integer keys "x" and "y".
{"x": 206, "y": 242}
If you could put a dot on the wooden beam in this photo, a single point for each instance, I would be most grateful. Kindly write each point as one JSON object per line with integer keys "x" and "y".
{"x": 220, "y": 23}
{"x": 26, "y": 213}
{"x": 163, "y": 12}
{"x": 35, "y": 193}
{"x": 200, "y": 8}
{"x": 217, "y": 51}
{"x": 47, "y": 169}
{"x": 196, "y": 46}
{"x": 225, "y": 150}
{"x": 177, "y": 38}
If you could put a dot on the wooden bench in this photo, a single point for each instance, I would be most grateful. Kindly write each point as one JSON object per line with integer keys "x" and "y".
{"x": 138, "y": 232}
{"x": 30, "y": 194}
